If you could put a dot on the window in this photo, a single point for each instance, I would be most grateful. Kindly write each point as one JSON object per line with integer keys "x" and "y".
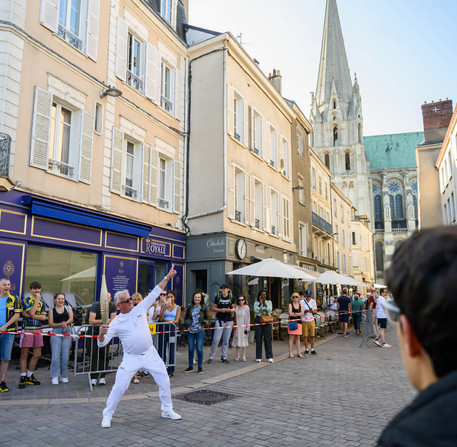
{"x": 326, "y": 191}
{"x": 257, "y": 133}
{"x": 67, "y": 270}
{"x": 167, "y": 87}
{"x": 285, "y": 158}
{"x": 344, "y": 263}
{"x": 59, "y": 144}
{"x": 335, "y": 208}
{"x": 301, "y": 191}
{"x": 452, "y": 206}
{"x": 337, "y": 234}
{"x": 378, "y": 208}
{"x": 300, "y": 144}
{"x": 341, "y": 213}
{"x": 166, "y": 9}
{"x": 70, "y": 22}
{"x": 240, "y": 191}
{"x": 98, "y": 118}
{"x": 337, "y": 260}
{"x": 347, "y": 161}
{"x": 274, "y": 212}
{"x": 258, "y": 205}
{"x": 165, "y": 183}
{"x": 313, "y": 178}
{"x": 359, "y": 133}
{"x": 286, "y": 217}
{"x": 273, "y": 147}
{"x": 130, "y": 162}
{"x": 353, "y": 239}
{"x": 62, "y": 137}
{"x": 343, "y": 237}
{"x": 327, "y": 160}
{"x": 355, "y": 260}
{"x": 238, "y": 118}
{"x": 379, "y": 256}
{"x": 320, "y": 184}
{"x": 134, "y": 74}
{"x": 302, "y": 238}
{"x": 446, "y": 220}
{"x": 399, "y": 206}
{"x": 335, "y": 136}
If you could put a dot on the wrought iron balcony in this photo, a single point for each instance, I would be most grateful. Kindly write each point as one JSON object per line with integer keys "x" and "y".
{"x": 273, "y": 229}
{"x": 257, "y": 223}
{"x": 238, "y": 216}
{"x": 71, "y": 38}
{"x": 321, "y": 223}
{"x": 162, "y": 203}
{"x": 134, "y": 81}
{"x": 130, "y": 192}
{"x": 60, "y": 167}
{"x": 5, "y": 148}
{"x": 166, "y": 104}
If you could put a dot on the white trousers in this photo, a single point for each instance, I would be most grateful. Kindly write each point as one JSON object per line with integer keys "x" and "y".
{"x": 150, "y": 361}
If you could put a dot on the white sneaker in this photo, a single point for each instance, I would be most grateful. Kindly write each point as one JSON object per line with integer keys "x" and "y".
{"x": 93, "y": 382}
{"x": 270, "y": 360}
{"x": 106, "y": 423}
{"x": 377, "y": 342}
{"x": 55, "y": 381}
{"x": 386, "y": 345}
{"x": 102, "y": 381}
{"x": 64, "y": 380}
{"x": 258, "y": 360}
{"x": 170, "y": 414}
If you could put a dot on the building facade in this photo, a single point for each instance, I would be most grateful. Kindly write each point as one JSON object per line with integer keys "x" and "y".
{"x": 239, "y": 209}
{"x": 95, "y": 122}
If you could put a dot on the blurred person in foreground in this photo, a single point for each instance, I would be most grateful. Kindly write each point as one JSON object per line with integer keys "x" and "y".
{"x": 422, "y": 280}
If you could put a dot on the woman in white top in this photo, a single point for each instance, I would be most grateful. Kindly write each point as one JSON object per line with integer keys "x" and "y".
{"x": 243, "y": 320}
{"x": 154, "y": 310}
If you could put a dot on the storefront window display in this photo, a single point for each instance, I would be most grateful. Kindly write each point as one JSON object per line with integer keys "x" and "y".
{"x": 62, "y": 271}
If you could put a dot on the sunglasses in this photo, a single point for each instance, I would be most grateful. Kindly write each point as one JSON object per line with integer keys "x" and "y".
{"x": 126, "y": 301}
{"x": 241, "y": 299}
{"x": 163, "y": 294}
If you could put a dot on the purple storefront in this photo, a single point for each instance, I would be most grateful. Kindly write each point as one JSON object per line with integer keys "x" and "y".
{"x": 68, "y": 248}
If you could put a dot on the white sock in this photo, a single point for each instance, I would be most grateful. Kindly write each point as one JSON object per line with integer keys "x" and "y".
{"x": 23, "y": 374}
{"x": 29, "y": 373}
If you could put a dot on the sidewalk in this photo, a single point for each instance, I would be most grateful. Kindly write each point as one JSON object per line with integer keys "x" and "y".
{"x": 78, "y": 388}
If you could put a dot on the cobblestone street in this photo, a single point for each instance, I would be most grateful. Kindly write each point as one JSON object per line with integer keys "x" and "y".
{"x": 342, "y": 396}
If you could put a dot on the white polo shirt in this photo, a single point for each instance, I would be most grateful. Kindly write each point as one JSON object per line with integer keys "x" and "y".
{"x": 311, "y": 304}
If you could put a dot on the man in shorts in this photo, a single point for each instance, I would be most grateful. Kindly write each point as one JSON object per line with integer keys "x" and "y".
{"x": 344, "y": 308}
{"x": 34, "y": 313}
{"x": 10, "y": 310}
{"x": 308, "y": 322}
{"x": 382, "y": 320}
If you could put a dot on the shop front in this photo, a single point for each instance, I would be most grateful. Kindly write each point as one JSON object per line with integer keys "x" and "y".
{"x": 210, "y": 257}
{"x": 68, "y": 248}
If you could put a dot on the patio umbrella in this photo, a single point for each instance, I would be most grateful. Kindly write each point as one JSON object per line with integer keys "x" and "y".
{"x": 272, "y": 268}
{"x": 355, "y": 282}
{"x": 379, "y": 286}
{"x": 331, "y": 277}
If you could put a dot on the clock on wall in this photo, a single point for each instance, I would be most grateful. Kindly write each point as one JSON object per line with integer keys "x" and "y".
{"x": 241, "y": 248}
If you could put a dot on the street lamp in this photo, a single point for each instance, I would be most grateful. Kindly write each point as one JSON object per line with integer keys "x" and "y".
{"x": 110, "y": 91}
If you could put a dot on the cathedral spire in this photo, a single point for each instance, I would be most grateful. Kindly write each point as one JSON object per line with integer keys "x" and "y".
{"x": 333, "y": 68}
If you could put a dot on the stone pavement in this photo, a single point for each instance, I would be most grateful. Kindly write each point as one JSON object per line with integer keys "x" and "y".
{"x": 342, "y": 396}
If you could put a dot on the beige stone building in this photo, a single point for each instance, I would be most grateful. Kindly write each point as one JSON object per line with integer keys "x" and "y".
{"x": 98, "y": 177}
{"x": 240, "y": 177}
{"x": 362, "y": 252}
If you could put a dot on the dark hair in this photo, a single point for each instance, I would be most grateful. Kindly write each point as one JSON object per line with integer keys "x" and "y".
{"x": 57, "y": 294}
{"x": 382, "y": 290}
{"x": 173, "y": 292}
{"x": 260, "y": 293}
{"x": 35, "y": 285}
{"x": 345, "y": 291}
{"x": 198, "y": 291}
{"x": 238, "y": 299}
{"x": 421, "y": 278}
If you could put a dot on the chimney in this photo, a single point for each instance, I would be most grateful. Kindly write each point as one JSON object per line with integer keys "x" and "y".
{"x": 436, "y": 117}
{"x": 276, "y": 80}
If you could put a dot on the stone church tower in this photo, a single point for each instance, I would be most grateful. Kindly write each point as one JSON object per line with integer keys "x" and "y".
{"x": 337, "y": 118}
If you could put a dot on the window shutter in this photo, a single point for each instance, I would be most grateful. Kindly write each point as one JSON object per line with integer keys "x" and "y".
{"x": 231, "y": 191}
{"x": 153, "y": 177}
{"x": 49, "y": 14}
{"x": 146, "y": 173}
{"x": 246, "y": 199}
{"x": 41, "y": 129}
{"x": 267, "y": 208}
{"x": 85, "y": 147}
{"x": 230, "y": 98}
{"x": 246, "y": 126}
{"x": 180, "y": 91}
{"x": 93, "y": 12}
{"x": 121, "y": 49}
{"x": 116, "y": 160}
{"x": 158, "y": 78}
{"x": 151, "y": 73}
{"x": 261, "y": 137}
{"x": 177, "y": 196}
{"x": 266, "y": 146}
{"x": 250, "y": 142}
{"x": 252, "y": 201}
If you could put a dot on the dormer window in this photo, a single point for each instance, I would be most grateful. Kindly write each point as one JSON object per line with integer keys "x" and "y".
{"x": 165, "y": 9}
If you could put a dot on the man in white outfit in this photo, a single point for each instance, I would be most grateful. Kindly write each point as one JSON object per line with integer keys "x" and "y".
{"x": 131, "y": 326}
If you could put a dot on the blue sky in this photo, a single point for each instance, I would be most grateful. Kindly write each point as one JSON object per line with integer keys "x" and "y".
{"x": 403, "y": 51}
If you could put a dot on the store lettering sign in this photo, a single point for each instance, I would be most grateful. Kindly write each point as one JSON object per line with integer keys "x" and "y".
{"x": 217, "y": 245}
{"x": 157, "y": 248}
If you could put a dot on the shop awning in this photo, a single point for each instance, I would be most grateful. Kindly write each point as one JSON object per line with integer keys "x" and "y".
{"x": 67, "y": 213}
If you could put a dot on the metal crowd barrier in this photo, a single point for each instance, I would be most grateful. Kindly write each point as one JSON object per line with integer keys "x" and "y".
{"x": 165, "y": 342}
{"x": 94, "y": 361}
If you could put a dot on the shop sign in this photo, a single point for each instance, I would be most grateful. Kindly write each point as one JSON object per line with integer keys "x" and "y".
{"x": 154, "y": 247}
